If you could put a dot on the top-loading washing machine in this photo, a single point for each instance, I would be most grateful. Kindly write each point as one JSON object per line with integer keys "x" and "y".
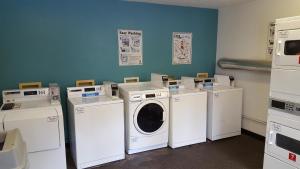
{"x": 40, "y": 122}
{"x": 224, "y": 107}
{"x": 96, "y": 126}
{"x": 188, "y": 112}
{"x": 146, "y": 116}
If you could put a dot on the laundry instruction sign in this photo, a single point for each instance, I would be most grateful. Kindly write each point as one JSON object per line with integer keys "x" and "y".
{"x": 182, "y": 48}
{"x": 130, "y": 47}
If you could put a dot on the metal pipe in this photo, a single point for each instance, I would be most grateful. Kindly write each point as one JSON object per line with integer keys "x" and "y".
{"x": 250, "y": 65}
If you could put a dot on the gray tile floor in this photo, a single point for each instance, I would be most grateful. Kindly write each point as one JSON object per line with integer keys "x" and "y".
{"x": 241, "y": 152}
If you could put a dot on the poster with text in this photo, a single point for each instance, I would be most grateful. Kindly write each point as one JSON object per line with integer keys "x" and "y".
{"x": 182, "y": 48}
{"x": 270, "y": 39}
{"x": 130, "y": 47}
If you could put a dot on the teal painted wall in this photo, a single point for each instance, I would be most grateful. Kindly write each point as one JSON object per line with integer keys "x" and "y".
{"x": 65, "y": 40}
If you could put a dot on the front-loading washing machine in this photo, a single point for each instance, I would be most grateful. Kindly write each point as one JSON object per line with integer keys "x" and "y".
{"x": 96, "y": 126}
{"x": 146, "y": 116}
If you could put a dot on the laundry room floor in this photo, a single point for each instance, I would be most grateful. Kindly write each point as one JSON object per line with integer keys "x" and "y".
{"x": 241, "y": 152}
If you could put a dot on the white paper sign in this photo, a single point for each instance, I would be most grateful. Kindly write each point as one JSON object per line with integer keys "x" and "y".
{"x": 130, "y": 47}
{"x": 270, "y": 39}
{"x": 182, "y": 48}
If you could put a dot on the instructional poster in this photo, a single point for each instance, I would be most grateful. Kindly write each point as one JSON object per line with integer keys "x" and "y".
{"x": 182, "y": 48}
{"x": 130, "y": 47}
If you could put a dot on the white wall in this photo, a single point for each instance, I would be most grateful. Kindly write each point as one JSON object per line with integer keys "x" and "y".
{"x": 242, "y": 34}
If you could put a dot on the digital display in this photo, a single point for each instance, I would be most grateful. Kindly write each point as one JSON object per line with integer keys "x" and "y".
{"x": 172, "y": 83}
{"x": 278, "y": 104}
{"x": 30, "y": 93}
{"x": 150, "y": 95}
{"x": 91, "y": 89}
{"x": 207, "y": 80}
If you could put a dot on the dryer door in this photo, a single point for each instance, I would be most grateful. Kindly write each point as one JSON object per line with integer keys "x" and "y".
{"x": 39, "y": 127}
{"x": 149, "y": 117}
{"x": 288, "y": 48}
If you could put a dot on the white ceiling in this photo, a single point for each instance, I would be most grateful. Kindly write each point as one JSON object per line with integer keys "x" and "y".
{"x": 195, "y": 3}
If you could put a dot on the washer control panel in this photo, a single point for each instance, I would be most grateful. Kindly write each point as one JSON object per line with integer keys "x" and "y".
{"x": 87, "y": 91}
{"x": 285, "y": 106}
{"x": 146, "y": 96}
{"x": 19, "y": 95}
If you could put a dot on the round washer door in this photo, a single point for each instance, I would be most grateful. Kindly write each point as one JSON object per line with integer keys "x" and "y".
{"x": 149, "y": 117}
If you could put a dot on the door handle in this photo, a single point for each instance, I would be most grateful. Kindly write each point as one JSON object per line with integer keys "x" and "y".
{"x": 271, "y": 137}
{"x": 278, "y": 48}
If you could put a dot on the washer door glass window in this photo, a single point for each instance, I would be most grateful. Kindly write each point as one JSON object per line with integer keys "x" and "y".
{"x": 150, "y": 117}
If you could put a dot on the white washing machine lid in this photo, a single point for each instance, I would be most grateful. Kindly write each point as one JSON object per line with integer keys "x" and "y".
{"x": 39, "y": 126}
{"x": 185, "y": 92}
{"x": 142, "y": 87}
{"x": 32, "y": 105}
{"x": 98, "y": 100}
{"x": 219, "y": 88}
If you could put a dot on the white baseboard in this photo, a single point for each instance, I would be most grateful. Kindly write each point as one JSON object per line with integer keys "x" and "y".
{"x": 254, "y": 126}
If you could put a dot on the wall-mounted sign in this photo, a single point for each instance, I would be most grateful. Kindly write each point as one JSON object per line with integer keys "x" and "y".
{"x": 130, "y": 47}
{"x": 182, "y": 48}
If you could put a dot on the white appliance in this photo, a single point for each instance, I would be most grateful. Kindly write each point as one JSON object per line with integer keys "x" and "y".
{"x": 224, "y": 112}
{"x": 282, "y": 147}
{"x": 146, "y": 116}
{"x": 41, "y": 124}
{"x": 224, "y": 109}
{"x": 286, "y": 59}
{"x": 96, "y": 123}
{"x": 188, "y": 112}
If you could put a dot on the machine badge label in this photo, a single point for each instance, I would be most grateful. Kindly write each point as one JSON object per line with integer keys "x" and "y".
{"x": 52, "y": 119}
{"x": 277, "y": 127}
{"x": 79, "y": 110}
{"x": 292, "y": 157}
{"x": 283, "y": 34}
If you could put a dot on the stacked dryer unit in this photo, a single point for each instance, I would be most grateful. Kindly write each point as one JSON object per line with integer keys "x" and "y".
{"x": 146, "y": 116}
{"x": 40, "y": 122}
{"x": 188, "y": 112}
{"x": 282, "y": 147}
{"x": 96, "y": 123}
